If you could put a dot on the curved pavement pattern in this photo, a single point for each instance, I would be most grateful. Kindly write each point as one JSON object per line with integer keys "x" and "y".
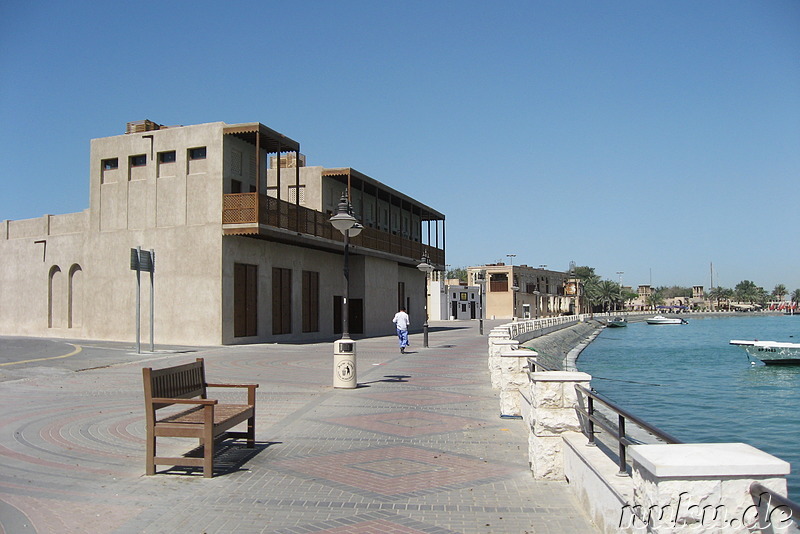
{"x": 418, "y": 447}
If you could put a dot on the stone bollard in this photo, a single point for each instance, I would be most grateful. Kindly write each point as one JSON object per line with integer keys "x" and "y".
{"x": 553, "y": 402}
{"x": 704, "y": 487}
{"x": 498, "y": 341}
{"x": 513, "y": 378}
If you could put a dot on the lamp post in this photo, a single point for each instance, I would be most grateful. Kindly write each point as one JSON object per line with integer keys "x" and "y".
{"x": 344, "y": 352}
{"x": 619, "y": 275}
{"x": 426, "y": 267}
{"x": 514, "y": 290}
{"x": 481, "y": 283}
{"x": 536, "y": 304}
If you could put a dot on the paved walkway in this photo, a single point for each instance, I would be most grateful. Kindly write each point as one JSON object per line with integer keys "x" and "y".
{"x": 418, "y": 447}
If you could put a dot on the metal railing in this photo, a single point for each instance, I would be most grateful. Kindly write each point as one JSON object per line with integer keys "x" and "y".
{"x": 588, "y": 414}
{"x": 254, "y": 209}
{"x": 757, "y": 490}
{"x": 518, "y": 328}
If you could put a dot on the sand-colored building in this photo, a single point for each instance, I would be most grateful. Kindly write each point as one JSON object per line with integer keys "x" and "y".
{"x": 244, "y": 250}
{"x": 523, "y": 292}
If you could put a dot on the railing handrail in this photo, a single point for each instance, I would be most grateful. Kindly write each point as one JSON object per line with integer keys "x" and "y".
{"x": 619, "y": 434}
{"x": 757, "y": 489}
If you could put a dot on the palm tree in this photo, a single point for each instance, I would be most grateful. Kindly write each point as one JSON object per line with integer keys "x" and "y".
{"x": 609, "y": 293}
{"x": 715, "y": 294}
{"x": 655, "y": 298}
{"x": 589, "y": 281}
{"x": 796, "y": 296}
{"x": 747, "y": 291}
{"x": 779, "y": 292}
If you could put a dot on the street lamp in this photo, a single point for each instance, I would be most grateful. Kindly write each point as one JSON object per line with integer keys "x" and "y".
{"x": 426, "y": 267}
{"x": 619, "y": 274}
{"x": 514, "y": 290}
{"x": 344, "y": 351}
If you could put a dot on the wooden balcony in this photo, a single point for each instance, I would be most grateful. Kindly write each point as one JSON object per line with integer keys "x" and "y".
{"x": 246, "y": 213}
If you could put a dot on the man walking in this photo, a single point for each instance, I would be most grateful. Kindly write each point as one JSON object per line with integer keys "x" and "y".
{"x": 401, "y": 322}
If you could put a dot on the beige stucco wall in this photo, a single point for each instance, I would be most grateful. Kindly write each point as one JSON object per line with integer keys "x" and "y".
{"x": 372, "y": 279}
{"x": 69, "y": 275}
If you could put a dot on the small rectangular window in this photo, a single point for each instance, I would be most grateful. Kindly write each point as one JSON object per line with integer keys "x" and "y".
{"x": 166, "y": 157}
{"x": 110, "y": 164}
{"x": 293, "y": 189}
{"x": 197, "y": 153}
{"x": 140, "y": 160}
{"x": 236, "y": 186}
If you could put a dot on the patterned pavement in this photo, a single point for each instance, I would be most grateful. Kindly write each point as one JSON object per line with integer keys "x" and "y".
{"x": 418, "y": 447}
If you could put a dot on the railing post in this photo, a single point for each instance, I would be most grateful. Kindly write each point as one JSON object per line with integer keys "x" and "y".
{"x": 590, "y": 423}
{"x": 623, "y": 468}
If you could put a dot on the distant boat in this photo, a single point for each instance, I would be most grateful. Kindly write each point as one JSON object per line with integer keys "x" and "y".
{"x": 770, "y": 352}
{"x": 617, "y": 322}
{"x": 660, "y": 319}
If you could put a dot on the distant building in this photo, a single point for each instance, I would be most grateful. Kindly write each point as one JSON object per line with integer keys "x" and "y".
{"x": 244, "y": 251}
{"x": 523, "y": 292}
{"x": 463, "y": 302}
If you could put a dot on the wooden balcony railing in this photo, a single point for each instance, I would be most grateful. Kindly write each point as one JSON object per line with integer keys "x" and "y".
{"x": 241, "y": 209}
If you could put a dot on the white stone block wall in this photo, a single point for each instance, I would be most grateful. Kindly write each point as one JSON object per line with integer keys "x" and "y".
{"x": 552, "y": 413}
{"x": 704, "y": 487}
{"x": 513, "y": 379}
{"x": 498, "y": 341}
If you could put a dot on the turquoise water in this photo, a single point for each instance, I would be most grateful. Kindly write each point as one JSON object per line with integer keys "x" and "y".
{"x": 688, "y": 381}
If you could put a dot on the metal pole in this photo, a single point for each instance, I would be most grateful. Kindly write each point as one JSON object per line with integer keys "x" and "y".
{"x": 152, "y": 295}
{"x": 480, "y": 317}
{"x": 138, "y": 303}
{"x": 622, "y": 451}
{"x": 425, "y": 324}
{"x": 345, "y": 305}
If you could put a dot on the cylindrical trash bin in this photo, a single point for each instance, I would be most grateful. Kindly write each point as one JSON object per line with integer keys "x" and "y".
{"x": 344, "y": 364}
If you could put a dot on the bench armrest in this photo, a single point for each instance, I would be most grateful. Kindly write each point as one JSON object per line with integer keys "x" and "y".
{"x": 251, "y": 390}
{"x": 166, "y": 400}
{"x": 232, "y": 385}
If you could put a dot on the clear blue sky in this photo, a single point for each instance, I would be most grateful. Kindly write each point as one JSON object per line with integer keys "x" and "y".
{"x": 647, "y": 137}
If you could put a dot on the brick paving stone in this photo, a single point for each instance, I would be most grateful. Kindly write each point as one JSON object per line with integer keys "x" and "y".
{"x": 418, "y": 447}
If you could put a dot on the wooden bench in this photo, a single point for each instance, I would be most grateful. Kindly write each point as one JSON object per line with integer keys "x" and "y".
{"x": 206, "y": 419}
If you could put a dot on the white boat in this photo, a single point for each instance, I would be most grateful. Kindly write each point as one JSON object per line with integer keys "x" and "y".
{"x": 770, "y": 352}
{"x": 660, "y": 319}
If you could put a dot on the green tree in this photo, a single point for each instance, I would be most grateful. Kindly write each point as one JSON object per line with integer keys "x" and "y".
{"x": 628, "y": 296}
{"x": 609, "y": 294}
{"x": 589, "y": 282}
{"x": 720, "y": 293}
{"x": 746, "y": 291}
{"x": 796, "y": 296}
{"x": 675, "y": 292}
{"x": 585, "y": 273}
{"x": 457, "y": 272}
{"x": 779, "y": 292}
{"x": 655, "y": 298}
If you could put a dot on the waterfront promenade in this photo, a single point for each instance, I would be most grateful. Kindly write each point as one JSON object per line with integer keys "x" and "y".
{"x": 418, "y": 447}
